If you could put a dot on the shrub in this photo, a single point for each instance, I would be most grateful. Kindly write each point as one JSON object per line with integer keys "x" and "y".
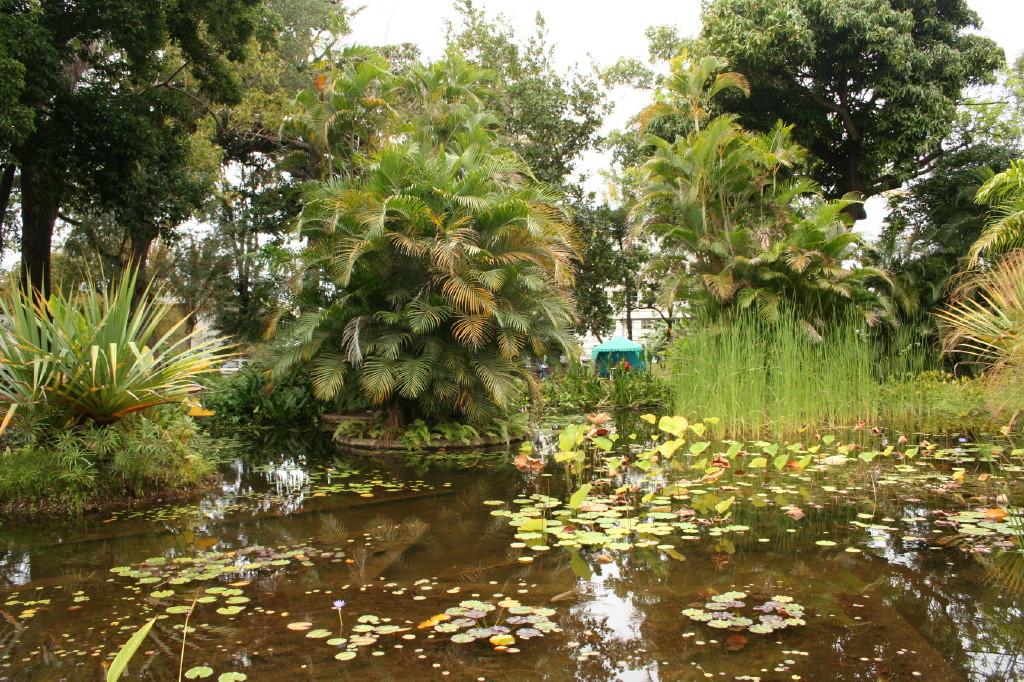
{"x": 580, "y": 390}
{"x": 256, "y": 395}
{"x": 95, "y": 396}
{"x": 143, "y": 453}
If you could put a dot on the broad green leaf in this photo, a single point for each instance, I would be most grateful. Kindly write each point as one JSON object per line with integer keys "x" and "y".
{"x": 580, "y": 566}
{"x": 699, "y": 447}
{"x": 758, "y": 462}
{"x": 124, "y": 656}
{"x": 532, "y": 525}
{"x": 577, "y": 497}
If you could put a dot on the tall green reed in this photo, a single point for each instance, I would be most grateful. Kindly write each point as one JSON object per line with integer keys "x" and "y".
{"x": 778, "y": 378}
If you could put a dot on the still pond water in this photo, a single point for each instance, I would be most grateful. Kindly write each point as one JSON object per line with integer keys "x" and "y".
{"x": 800, "y": 562}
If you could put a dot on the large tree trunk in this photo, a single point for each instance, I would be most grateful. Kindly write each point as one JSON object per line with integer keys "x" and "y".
{"x": 138, "y": 258}
{"x": 854, "y": 182}
{"x": 40, "y": 203}
{"x": 6, "y": 186}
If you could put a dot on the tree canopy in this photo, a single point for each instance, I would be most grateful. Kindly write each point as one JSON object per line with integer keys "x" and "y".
{"x": 106, "y": 94}
{"x": 870, "y": 86}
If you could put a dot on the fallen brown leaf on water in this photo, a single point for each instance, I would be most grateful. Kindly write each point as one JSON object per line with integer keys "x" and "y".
{"x": 996, "y": 514}
{"x": 982, "y": 477}
{"x": 713, "y": 476}
{"x": 795, "y": 513}
{"x": 735, "y": 642}
{"x": 524, "y": 462}
{"x": 597, "y": 432}
{"x": 901, "y": 440}
{"x": 859, "y": 425}
{"x": 604, "y": 558}
{"x": 599, "y": 418}
{"x": 204, "y": 544}
{"x": 593, "y": 507}
{"x": 720, "y": 461}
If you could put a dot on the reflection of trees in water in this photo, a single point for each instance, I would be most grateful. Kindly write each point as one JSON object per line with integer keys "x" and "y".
{"x": 975, "y": 624}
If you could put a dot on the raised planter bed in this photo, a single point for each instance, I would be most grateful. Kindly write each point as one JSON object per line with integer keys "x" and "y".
{"x": 330, "y": 422}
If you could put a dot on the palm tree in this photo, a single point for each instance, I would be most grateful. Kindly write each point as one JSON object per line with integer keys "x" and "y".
{"x": 346, "y": 115}
{"x": 728, "y": 210}
{"x": 1005, "y": 230}
{"x": 448, "y": 271}
{"x": 811, "y": 269}
{"x": 985, "y": 318}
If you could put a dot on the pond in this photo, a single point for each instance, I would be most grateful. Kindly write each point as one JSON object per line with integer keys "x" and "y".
{"x": 651, "y": 552}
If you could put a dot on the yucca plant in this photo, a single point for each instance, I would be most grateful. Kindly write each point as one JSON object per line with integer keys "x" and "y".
{"x": 79, "y": 357}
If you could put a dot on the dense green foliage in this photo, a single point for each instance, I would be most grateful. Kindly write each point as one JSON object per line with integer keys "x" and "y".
{"x": 152, "y": 453}
{"x": 255, "y": 395}
{"x": 932, "y": 226}
{"x": 402, "y": 232}
{"x": 580, "y": 389}
{"x": 444, "y": 265}
{"x": 733, "y": 220}
{"x": 871, "y": 88}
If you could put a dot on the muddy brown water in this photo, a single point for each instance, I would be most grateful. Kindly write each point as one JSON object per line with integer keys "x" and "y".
{"x": 406, "y": 538}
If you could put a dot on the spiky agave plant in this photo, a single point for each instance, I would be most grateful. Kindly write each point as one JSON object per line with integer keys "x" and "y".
{"x": 79, "y": 357}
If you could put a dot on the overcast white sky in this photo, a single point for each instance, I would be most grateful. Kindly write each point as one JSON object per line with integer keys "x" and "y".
{"x": 603, "y": 31}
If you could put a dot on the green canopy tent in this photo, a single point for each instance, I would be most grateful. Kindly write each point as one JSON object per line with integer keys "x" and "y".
{"x": 613, "y": 351}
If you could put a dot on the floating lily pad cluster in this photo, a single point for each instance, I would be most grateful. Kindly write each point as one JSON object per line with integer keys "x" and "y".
{"x": 369, "y": 628}
{"x": 726, "y": 612}
{"x": 210, "y": 565}
{"x": 671, "y": 489}
{"x": 615, "y": 523}
{"x": 502, "y": 624}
